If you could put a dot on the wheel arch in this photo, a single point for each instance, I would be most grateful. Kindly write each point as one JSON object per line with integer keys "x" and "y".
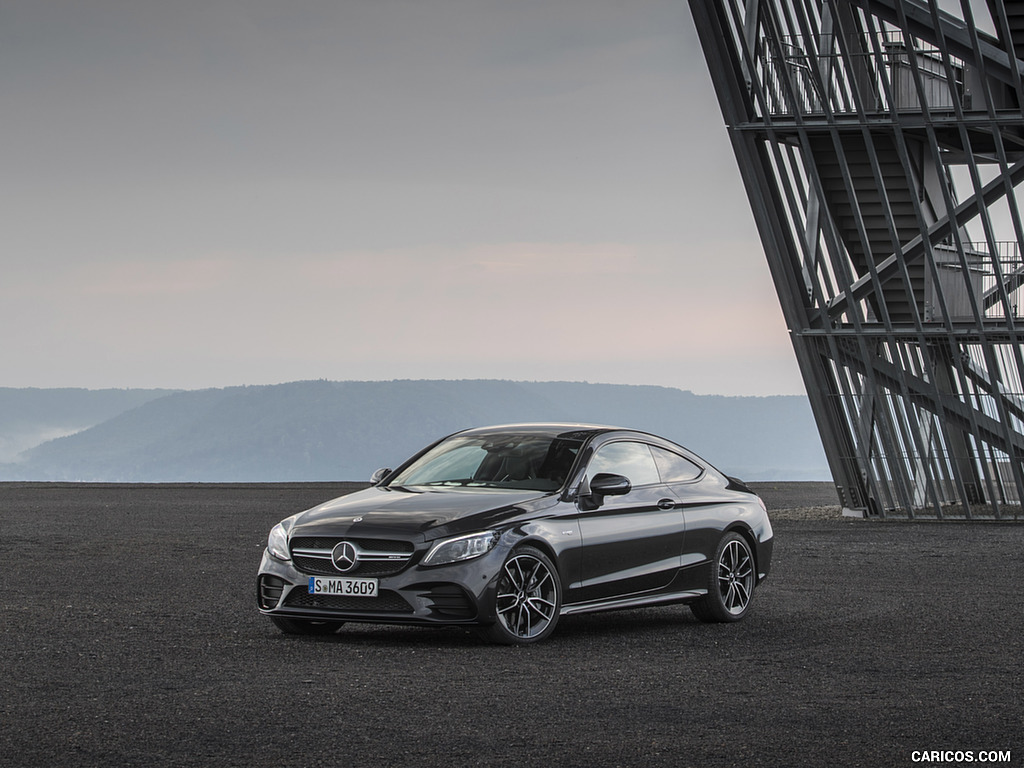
{"x": 538, "y": 542}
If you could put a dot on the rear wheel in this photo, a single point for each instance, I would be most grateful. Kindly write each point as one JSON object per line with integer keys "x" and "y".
{"x": 306, "y": 626}
{"x": 730, "y": 582}
{"x": 527, "y": 599}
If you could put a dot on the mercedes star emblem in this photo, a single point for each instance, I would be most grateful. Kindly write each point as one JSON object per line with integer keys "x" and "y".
{"x": 345, "y": 557}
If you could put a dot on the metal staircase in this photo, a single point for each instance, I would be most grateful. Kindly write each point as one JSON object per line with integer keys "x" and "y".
{"x": 1015, "y": 18}
{"x": 868, "y": 218}
{"x": 881, "y": 143}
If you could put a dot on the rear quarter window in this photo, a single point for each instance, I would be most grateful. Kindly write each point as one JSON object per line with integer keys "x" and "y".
{"x": 674, "y": 468}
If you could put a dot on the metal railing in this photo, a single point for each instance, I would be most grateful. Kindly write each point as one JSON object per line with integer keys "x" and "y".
{"x": 988, "y": 277}
{"x": 886, "y": 73}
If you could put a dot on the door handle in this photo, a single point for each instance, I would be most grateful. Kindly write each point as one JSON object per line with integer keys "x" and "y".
{"x": 666, "y": 504}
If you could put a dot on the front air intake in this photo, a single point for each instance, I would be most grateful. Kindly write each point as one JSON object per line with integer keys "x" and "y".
{"x": 269, "y": 591}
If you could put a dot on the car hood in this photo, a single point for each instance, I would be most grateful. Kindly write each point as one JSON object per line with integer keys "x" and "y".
{"x": 406, "y": 512}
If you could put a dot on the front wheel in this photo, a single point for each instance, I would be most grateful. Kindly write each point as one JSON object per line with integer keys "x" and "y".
{"x": 730, "y": 582}
{"x": 527, "y": 599}
{"x": 306, "y": 626}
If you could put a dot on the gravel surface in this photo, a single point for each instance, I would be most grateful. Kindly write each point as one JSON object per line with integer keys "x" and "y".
{"x": 800, "y": 501}
{"x": 130, "y": 637}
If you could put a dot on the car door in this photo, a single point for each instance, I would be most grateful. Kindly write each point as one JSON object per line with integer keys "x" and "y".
{"x": 631, "y": 543}
{"x": 698, "y": 491}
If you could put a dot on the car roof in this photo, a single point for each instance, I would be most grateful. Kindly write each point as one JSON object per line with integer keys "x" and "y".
{"x": 572, "y": 431}
{"x": 553, "y": 429}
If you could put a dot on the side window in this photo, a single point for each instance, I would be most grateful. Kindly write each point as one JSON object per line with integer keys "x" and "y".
{"x": 673, "y": 467}
{"x": 630, "y": 459}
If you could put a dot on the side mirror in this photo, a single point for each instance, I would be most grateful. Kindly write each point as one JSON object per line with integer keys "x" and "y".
{"x": 601, "y": 485}
{"x": 607, "y": 484}
{"x": 379, "y": 475}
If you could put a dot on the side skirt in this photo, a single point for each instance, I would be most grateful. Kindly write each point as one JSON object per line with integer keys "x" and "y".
{"x": 636, "y": 601}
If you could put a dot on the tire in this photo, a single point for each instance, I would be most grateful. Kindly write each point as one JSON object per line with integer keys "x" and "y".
{"x": 306, "y": 626}
{"x": 731, "y": 582}
{"x": 527, "y": 598}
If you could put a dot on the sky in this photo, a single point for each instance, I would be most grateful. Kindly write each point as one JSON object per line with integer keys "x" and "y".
{"x": 206, "y": 193}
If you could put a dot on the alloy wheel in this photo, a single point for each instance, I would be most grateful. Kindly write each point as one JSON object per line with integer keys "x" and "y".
{"x": 527, "y": 599}
{"x": 736, "y": 576}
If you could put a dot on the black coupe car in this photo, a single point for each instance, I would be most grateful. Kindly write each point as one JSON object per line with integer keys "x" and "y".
{"x": 508, "y": 528}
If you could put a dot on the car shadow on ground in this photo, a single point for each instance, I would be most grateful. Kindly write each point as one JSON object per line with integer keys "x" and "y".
{"x": 611, "y": 624}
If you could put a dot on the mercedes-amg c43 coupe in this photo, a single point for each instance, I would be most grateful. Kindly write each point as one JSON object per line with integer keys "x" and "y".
{"x": 508, "y": 528}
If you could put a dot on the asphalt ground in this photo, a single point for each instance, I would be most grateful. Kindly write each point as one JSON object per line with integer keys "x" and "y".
{"x": 130, "y": 637}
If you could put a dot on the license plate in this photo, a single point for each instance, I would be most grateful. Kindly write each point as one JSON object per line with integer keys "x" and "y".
{"x": 346, "y": 587}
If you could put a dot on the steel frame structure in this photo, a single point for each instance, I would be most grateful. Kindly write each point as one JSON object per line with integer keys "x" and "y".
{"x": 881, "y": 143}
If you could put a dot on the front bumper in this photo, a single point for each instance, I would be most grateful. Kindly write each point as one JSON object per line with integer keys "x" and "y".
{"x": 448, "y": 594}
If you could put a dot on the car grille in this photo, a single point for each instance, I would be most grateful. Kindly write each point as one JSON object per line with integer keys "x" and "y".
{"x": 385, "y": 602}
{"x": 377, "y": 557}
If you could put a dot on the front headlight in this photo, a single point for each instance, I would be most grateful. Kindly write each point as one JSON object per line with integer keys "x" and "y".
{"x": 461, "y": 548}
{"x": 277, "y": 543}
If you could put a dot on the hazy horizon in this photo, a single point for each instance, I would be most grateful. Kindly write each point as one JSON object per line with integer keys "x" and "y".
{"x": 321, "y": 429}
{"x": 397, "y": 379}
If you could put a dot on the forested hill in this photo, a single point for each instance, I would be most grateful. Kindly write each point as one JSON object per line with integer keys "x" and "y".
{"x": 323, "y": 430}
{"x": 29, "y": 417}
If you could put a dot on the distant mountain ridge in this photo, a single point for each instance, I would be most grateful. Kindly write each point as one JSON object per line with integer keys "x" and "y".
{"x": 32, "y": 416}
{"x": 327, "y": 430}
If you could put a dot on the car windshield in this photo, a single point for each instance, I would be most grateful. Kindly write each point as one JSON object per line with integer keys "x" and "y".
{"x": 521, "y": 461}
